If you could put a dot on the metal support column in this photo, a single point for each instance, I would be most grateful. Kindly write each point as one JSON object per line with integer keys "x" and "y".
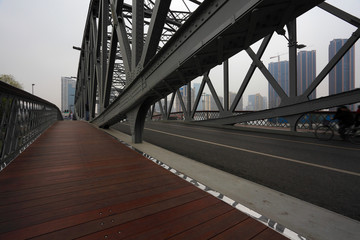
{"x": 136, "y": 119}
{"x": 226, "y": 85}
{"x": 188, "y": 103}
{"x": 291, "y": 26}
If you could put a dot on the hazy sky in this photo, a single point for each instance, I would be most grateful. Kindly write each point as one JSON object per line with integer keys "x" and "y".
{"x": 37, "y": 38}
{"x": 36, "y": 42}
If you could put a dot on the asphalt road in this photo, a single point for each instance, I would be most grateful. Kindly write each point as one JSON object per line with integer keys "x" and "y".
{"x": 326, "y": 174}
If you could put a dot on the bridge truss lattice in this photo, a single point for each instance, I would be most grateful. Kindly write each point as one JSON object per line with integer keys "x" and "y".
{"x": 137, "y": 53}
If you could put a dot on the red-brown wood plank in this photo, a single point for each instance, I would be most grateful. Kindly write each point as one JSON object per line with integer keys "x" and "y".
{"x": 97, "y": 213}
{"x": 213, "y": 227}
{"x": 106, "y": 225}
{"x": 75, "y": 181}
{"x": 182, "y": 224}
{"x": 246, "y": 230}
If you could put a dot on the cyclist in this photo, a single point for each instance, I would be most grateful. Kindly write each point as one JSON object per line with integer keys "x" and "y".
{"x": 345, "y": 118}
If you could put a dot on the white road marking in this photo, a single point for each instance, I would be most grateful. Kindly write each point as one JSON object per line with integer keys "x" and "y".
{"x": 258, "y": 153}
{"x": 279, "y": 139}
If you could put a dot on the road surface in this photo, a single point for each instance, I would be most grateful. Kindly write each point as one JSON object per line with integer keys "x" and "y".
{"x": 326, "y": 174}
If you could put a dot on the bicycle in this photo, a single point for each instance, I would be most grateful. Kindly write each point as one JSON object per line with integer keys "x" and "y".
{"x": 353, "y": 134}
{"x": 326, "y": 131}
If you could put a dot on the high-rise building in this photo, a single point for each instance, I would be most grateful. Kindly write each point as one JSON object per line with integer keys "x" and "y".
{"x": 306, "y": 71}
{"x": 68, "y": 86}
{"x": 265, "y": 104}
{"x": 232, "y": 96}
{"x": 280, "y": 71}
{"x": 184, "y": 94}
{"x": 196, "y": 91}
{"x": 209, "y": 102}
{"x": 256, "y": 102}
{"x": 342, "y": 76}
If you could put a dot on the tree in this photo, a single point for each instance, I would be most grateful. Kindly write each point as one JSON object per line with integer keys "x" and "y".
{"x": 9, "y": 79}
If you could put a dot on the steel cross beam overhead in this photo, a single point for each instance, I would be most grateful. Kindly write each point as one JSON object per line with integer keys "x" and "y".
{"x": 108, "y": 36}
{"x": 215, "y": 31}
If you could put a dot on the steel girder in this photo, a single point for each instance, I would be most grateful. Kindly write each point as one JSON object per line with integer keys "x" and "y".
{"x": 292, "y": 112}
{"x": 214, "y": 32}
{"x": 292, "y": 107}
{"x": 300, "y": 103}
{"x": 105, "y": 60}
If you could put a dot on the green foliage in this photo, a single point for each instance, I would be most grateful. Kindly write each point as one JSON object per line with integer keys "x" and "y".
{"x": 9, "y": 79}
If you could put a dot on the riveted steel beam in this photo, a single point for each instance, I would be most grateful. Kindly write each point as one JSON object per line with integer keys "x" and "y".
{"x": 292, "y": 109}
{"x": 199, "y": 37}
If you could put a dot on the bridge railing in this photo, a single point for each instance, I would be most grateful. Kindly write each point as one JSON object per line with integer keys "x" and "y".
{"x": 198, "y": 116}
{"x": 307, "y": 122}
{"x": 23, "y": 117}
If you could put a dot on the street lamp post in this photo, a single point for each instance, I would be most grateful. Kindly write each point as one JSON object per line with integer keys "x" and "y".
{"x": 32, "y": 86}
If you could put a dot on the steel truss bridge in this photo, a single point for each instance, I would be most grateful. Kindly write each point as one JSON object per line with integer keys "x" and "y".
{"x": 136, "y": 54}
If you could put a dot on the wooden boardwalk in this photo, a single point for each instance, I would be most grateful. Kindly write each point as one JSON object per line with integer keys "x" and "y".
{"x": 76, "y": 182}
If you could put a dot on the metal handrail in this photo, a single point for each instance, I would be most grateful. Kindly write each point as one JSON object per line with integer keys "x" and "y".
{"x": 23, "y": 117}
{"x": 307, "y": 122}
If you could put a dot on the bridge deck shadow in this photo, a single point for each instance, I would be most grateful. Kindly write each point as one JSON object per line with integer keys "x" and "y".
{"x": 75, "y": 181}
